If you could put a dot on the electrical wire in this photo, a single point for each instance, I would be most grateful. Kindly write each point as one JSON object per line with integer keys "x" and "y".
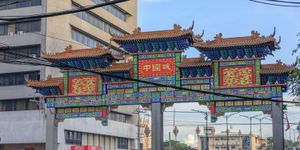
{"x": 280, "y": 1}
{"x": 60, "y": 65}
{"x": 273, "y": 4}
{"x": 60, "y": 13}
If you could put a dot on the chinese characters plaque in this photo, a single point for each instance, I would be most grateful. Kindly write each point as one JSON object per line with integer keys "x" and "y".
{"x": 157, "y": 67}
{"x": 237, "y": 76}
{"x": 83, "y": 85}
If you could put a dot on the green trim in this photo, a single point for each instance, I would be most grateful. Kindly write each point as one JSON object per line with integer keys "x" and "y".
{"x": 216, "y": 74}
{"x": 257, "y": 71}
{"x": 66, "y": 83}
{"x": 100, "y": 85}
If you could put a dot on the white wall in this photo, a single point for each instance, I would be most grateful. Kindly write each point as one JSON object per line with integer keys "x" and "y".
{"x": 90, "y": 125}
{"x": 22, "y": 127}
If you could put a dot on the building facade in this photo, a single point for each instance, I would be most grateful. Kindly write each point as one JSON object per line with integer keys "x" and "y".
{"x": 236, "y": 141}
{"x": 25, "y": 122}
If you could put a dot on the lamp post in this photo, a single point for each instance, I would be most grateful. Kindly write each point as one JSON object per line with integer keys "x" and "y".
{"x": 250, "y": 118}
{"x": 197, "y": 136}
{"x": 227, "y": 131}
{"x": 260, "y": 129}
{"x": 206, "y": 126}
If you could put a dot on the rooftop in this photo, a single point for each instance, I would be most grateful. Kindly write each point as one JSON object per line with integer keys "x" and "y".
{"x": 277, "y": 68}
{"x": 252, "y": 40}
{"x": 69, "y": 53}
{"x": 50, "y": 82}
{"x": 194, "y": 62}
{"x": 117, "y": 67}
{"x": 138, "y": 35}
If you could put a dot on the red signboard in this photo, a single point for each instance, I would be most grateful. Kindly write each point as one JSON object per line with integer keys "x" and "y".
{"x": 233, "y": 76}
{"x": 157, "y": 67}
{"x": 85, "y": 148}
{"x": 82, "y": 85}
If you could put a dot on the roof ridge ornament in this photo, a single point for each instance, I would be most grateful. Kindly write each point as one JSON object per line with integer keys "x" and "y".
{"x": 137, "y": 30}
{"x": 49, "y": 77}
{"x": 274, "y": 32}
{"x": 198, "y": 37}
{"x": 68, "y": 48}
{"x": 177, "y": 27}
{"x": 255, "y": 34}
{"x": 218, "y": 37}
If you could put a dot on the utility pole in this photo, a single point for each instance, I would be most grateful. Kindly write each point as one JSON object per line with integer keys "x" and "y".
{"x": 227, "y": 131}
{"x": 250, "y": 118}
{"x": 170, "y": 143}
{"x": 206, "y": 127}
{"x": 260, "y": 129}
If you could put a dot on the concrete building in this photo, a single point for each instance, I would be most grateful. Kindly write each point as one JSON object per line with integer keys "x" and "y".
{"x": 236, "y": 141}
{"x": 24, "y": 122}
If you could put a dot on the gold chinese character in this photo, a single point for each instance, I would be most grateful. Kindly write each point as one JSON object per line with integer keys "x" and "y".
{"x": 156, "y": 67}
{"x": 146, "y": 67}
{"x": 166, "y": 67}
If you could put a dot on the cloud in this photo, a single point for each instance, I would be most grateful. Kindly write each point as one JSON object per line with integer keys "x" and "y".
{"x": 154, "y": 1}
{"x": 190, "y": 140}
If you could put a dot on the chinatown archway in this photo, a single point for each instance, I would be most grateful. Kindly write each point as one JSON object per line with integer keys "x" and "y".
{"x": 228, "y": 66}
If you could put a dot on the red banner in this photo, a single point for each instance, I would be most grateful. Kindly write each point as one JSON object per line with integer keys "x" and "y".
{"x": 233, "y": 76}
{"x": 85, "y": 147}
{"x": 83, "y": 85}
{"x": 157, "y": 67}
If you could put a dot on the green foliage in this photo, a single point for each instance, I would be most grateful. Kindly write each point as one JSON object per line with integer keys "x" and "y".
{"x": 176, "y": 145}
{"x": 294, "y": 83}
{"x": 287, "y": 143}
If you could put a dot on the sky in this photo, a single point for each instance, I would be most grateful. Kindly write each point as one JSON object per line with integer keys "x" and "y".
{"x": 232, "y": 18}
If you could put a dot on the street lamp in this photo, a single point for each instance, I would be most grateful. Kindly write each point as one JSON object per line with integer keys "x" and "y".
{"x": 197, "y": 136}
{"x": 250, "y": 118}
{"x": 227, "y": 131}
{"x": 260, "y": 129}
{"x": 206, "y": 125}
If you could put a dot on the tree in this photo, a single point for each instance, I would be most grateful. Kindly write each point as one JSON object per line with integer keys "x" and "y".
{"x": 294, "y": 83}
{"x": 176, "y": 145}
{"x": 287, "y": 143}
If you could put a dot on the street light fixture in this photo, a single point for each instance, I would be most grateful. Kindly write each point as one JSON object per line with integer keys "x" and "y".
{"x": 250, "y": 118}
{"x": 206, "y": 125}
{"x": 260, "y": 129}
{"x": 227, "y": 131}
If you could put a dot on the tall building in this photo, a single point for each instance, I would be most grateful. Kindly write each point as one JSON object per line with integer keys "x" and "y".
{"x": 236, "y": 141}
{"x": 24, "y": 122}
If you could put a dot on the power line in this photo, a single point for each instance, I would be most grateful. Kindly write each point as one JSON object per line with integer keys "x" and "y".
{"x": 60, "y": 13}
{"x": 280, "y": 1}
{"x": 56, "y": 64}
{"x": 273, "y": 4}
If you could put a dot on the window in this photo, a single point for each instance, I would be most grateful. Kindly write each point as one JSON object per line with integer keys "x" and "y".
{"x": 32, "y": 26}
{"x": 31, "y": 50}
{"x": 83, "y": 38}
{"x": 117, "y": 116}
{"x": 12, "y": 4}
{"x": 3, "y": 29}
{"x": 73, "y": 137}
{"x": 18, "y": 105}
{"x": 96, "y": 21}
{"x": 112, "y": 9}
{"x": 122, "y": 143}
{"x": 19, "y": 78}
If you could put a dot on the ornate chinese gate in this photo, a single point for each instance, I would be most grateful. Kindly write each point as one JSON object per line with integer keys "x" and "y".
{"x": 226, "y": 65}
